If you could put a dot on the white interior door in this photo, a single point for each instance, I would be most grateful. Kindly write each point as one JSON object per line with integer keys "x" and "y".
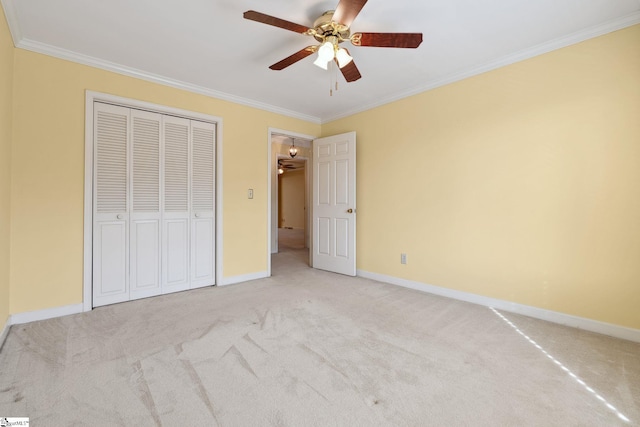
{"x": 334, "y": 204}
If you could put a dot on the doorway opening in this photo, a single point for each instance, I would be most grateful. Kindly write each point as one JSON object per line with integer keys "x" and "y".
{"x": 292, "y": 203}
{"x": 290, "y": 222}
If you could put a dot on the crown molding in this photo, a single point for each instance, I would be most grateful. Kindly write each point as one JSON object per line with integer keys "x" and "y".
{"x": 558, "y": 43}
{"x": 90, "y": 61}
{"x": 11, "y": 14}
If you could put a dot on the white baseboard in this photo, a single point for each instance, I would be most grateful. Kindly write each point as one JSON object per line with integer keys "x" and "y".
{"x": 538, "y": 313}
{"x": 5, "y": 331}
{"x": 47, "y": 313}
{"x": 243, "y": 278}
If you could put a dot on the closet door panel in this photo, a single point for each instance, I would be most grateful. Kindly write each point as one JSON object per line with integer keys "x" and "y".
{"x": 203, "y": 204}
{"x": 145, "y": 202}
{"x": 175, "y": 255}
{"x": 145, "y": 258}
{"x": 110, "y": 262}
{"x": 202, "y": 259}
{"x": 176, "y": 171}
{"x": 110, "y": 205}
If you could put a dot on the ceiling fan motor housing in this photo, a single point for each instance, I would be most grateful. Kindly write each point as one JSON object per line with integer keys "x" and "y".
{"x": 324, "y": 26}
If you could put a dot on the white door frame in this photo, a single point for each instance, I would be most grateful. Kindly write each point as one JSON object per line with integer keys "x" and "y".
{"x": 90, "y": 98}
{"x": 272, "y": 189}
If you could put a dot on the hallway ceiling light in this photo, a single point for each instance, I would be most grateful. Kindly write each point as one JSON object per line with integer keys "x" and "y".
{"x": 293, "y": 151}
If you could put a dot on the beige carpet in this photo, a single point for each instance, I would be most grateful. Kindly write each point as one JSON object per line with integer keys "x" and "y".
{"x": 310, "y": 348}
{"x": 290, "y": 238}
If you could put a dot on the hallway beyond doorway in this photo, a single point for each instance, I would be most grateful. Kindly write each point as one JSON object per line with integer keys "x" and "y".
{"x": 290, "y": 238}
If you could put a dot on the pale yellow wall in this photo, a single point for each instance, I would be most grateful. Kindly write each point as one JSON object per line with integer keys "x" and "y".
{"x": 291, "y": 194}
{"x": 6, "y": 90}
{"x": 48, "y": 174}
{"x": 521, "y": 184}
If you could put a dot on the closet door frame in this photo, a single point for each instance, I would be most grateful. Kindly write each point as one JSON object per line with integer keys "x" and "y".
{"x": 91, "y": 98}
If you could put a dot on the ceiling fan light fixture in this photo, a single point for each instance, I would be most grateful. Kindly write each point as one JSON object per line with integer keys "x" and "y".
{"x": 321, "y": 63}
{"x": 326, "y": 51}
{"x": 343, "y": 57}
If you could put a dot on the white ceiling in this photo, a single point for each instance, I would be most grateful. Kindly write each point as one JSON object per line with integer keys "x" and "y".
{"x": 206, "y": 46}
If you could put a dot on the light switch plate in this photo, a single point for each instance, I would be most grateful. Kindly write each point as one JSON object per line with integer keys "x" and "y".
{"x": 250, "y": 193}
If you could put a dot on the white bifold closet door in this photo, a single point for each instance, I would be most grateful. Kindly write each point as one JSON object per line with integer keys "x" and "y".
{"x": 188, "y": 204}
{"x": 111, "y": 205}
{"x": 154, "y": 192}
{"x": 175, "y": 225}
{"x": 202, "y": 204}
{"x": 145, "y": 216}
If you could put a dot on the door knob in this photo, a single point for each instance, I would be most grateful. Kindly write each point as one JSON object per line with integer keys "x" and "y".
{"x": 349, "y": 210}
{"x": 197, "y": 215}
{"x": 119, "y": 216}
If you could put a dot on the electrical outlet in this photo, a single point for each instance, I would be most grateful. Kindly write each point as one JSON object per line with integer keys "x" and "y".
{"x": 250, "y": 193}
{"x": 403, "y": 258}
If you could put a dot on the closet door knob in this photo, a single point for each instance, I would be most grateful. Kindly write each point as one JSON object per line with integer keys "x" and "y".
{"x": 197, "y": 215}
{"x": 119, "y": 216}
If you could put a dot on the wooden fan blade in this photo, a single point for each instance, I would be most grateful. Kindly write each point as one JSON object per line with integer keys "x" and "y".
{"x": 406, "y": 40}
{"x": 347, "y": 11}
{"x": 350, "y": 71}
{"x": 276, "y": 22}
{"x": 289, "y": 60}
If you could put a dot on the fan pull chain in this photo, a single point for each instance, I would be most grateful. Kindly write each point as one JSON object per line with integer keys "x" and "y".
{"x": 331, "y": 78}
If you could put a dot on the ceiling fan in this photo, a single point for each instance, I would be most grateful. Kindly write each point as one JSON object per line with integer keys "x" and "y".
{"x": 285, "y": 164}
{"x": 331, "y": 29}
